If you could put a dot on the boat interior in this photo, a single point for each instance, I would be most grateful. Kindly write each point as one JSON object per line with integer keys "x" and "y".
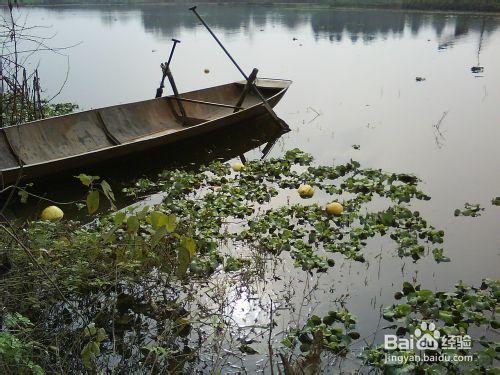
{"x": 59, "y": 137}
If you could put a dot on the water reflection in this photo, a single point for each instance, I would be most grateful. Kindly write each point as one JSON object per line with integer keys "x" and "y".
{"x": 363, "y": 25}
{"x": 334, "y": 25}
{"x": 369, "y": 25}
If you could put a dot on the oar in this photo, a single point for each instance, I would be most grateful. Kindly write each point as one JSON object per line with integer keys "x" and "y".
{"x": 159, "y": 90}
{"x": 269, "y": 109}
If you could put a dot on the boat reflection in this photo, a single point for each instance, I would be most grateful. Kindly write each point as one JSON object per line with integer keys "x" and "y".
{"x": 222, "y": 145}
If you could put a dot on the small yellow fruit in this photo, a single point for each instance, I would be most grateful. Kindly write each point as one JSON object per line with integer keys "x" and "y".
{"x": 52, "y": 213}
{"x": 306, "y": 191}
{"x": 238, "y": 166}
{"x": 334, "y": 208}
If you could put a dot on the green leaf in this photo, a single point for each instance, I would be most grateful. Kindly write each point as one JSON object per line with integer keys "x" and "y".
{"x": 407, "y": 288}
{"x": 157, "y": 236}
{"x": 108, "y": 235}
{"x": 35, "y": 369}
{"x": 90, "y": 330}
{"x": 89, "y": 352}
{"x": 425, "y": 295}
{"x": 101, "y": 335}
{"x": 190, "y": 245}
{"x": 485, "y": 357}
{"x": 329, "y": 319}
{"x": 287, "y": 341}
{"x": 171, "y": 223}
{"x": 183, "y": 327}
{"x": 93, "y": 201}
{"x": 403, "y": 310}
{"x": 159, "y": 219}
{"x": 15, "y": 320}
{"x": 86, "y": 179}
{"x": 247, "y": 349}
{"x": 119, "y": 217}
{"x": 438, "y": 255}
{"x": 108, "y": 193}
{"x": 315, "y": 320}
{"x": 387, "y": 218}
{"x": 183, "y": 261}
{"x": 132, "y": 224}
{"x": 446, "y": 316}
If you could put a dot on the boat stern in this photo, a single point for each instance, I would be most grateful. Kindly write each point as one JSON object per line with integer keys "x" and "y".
{"x": 270, "y": 83}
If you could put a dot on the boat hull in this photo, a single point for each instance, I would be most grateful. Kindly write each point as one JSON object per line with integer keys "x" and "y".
{"x": 140, "y": 144}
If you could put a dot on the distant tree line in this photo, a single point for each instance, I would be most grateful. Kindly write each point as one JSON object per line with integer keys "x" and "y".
{"x": 460, "y": 5}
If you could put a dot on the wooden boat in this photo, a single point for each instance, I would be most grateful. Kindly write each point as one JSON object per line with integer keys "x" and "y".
{"x": 69, "y": 142}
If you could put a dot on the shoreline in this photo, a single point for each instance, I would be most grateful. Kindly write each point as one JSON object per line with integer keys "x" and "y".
{"x": 312, "y": 5}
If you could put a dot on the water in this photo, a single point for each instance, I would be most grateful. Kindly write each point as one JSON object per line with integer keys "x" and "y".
{"x": 354, "y": 83}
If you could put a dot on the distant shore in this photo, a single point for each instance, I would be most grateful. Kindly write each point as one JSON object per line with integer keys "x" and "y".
{"x": 430, "y": 5}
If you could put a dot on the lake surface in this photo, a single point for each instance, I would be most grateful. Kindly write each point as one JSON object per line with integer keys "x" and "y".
{"x": 354, "y": 74}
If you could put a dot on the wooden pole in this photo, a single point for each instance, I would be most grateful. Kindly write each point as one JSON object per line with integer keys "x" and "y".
{"x": 247, "y": 88}
{"x": 164, "y": 68}
{"x": 176, "y": 92}
{"x": 273, "y": 114}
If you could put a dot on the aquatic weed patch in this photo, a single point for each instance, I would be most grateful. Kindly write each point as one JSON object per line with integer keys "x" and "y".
{"x": 334, "y": 332}
{"x": 330, "y": 335}
{"x": 155, "y": 284}
{"x": 463, "y": 322}
{"x": 211, "y": 197}
{"x": 470, "y": 209}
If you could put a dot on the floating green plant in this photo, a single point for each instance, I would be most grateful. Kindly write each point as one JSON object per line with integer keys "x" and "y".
{"x": 335, "y": 332}
{"x": 451, "y": 318}
{"x": 215, "y": 195}
{"x": 130, "y": 270}
{"x": 469, "y": 209}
